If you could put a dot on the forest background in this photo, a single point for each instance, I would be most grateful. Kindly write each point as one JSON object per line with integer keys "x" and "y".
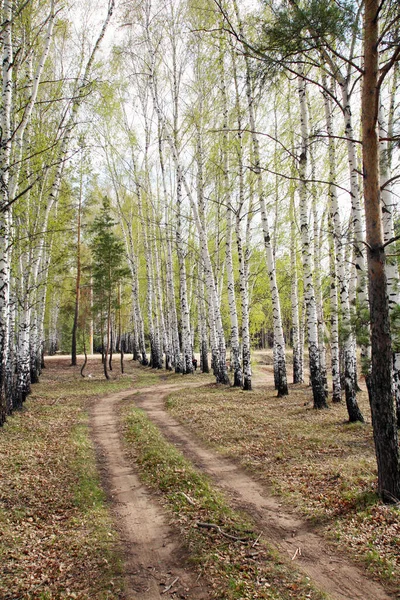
{"x": 200, "y": 176}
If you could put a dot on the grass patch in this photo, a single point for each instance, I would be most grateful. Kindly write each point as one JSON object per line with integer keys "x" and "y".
{"x": 88, "y": 494}
{"x": 236, "y": 569}
{"x": 314, "y": 459}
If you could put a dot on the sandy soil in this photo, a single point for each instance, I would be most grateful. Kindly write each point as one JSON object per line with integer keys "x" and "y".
{"x": 153, "y": 555}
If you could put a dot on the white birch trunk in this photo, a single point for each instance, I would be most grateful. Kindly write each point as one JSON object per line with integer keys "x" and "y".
{"x": 243, "y": 253}
{"x": 177, "y": 363}
{"x": 150, "y": 286}
{"x": 5, "y": 213}
{"x": 173, "y": 333}
{"x": 334, "y": 312}
{"x": 348, "y": 341}
{"x": 309, "y": 293}
{"x": 163, "y": 338}
{"x": 202, "y": 322}
{"x": 357, "y": 222}
{"x": 138, "y": 343}
{"x": 218, "y": 345}
{"x": 205, "y": 261}
{"x": 279, "y": 340}
{"x": 388, "y": 209}
{"x": 187, "y": 351}
{"x": 234, "y": 337}
{"x": 294, "y": 299}
{"x": 53, "y": 328}
{"x": 317, "y": 273}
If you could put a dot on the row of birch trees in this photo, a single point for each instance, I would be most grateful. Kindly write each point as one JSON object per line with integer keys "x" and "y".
{"x": 47, "y": 69}
{"x": 227, "y": 140}
{"x": 230, "y": 133}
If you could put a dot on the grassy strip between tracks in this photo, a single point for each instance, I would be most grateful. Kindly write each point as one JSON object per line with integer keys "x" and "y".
{"x": 245, "y": 568}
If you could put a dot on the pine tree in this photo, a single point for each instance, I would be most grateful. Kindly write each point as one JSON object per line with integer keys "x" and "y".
{"x": 108, "y": 271}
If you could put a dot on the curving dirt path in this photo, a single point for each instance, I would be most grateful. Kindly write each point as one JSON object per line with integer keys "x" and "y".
{"x": 153, "y": 553}
{"x": 154, "y": 563}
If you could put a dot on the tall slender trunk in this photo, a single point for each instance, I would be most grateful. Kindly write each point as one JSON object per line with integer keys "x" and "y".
{"x": 212, "y": 295}
{"x": 187, "y": 350}
{"x": 5, "y": 151}
{"x": 203, "y": 340}
{"x": 139, "y": 341}
{"x": 163, "y": 344}
{"x": 144, "y": 222}
{"x": 294, "y": 299}
{"x": 380, "y": 384}
{"x": 279, "y": 340}
{"x": 172, "y": 335}
{"x": 357, "y": 223}
{"x": 334, "y": 318}
{"x": 216, "y": 328}
{"x": 121, "y": 340}
{"x": 388, "y": 208}
{"x": 173, "y": 317}
{"x": 318, "y": 220}
{"x": 243, "y": 253}
{"x": 234, "y": 337}
{"x": 317, "y": 383}
{"x": 346, "y": 334}
{"x": 108, "y": 335}
{"x": 78, "y": 274}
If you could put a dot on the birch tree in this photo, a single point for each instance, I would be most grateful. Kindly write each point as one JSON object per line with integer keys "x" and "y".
{"x": 309, "y": 292}
{"x": 279, "y": 341}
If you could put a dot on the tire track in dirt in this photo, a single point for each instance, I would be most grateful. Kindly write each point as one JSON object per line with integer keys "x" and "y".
{"x": 294, "y": 538}
{"x": 154, "y": 557}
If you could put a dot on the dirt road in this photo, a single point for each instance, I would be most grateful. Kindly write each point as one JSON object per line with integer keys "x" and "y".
{"x": 153, "y": 557}
{"x": 154, "y": 560}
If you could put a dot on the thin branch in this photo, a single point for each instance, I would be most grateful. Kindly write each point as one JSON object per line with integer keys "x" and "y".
{"x": 389, "y": 64}
{"x": 389, "y": 181}
{"x": 391, "y": 241}
{"x": 291, "y": 178}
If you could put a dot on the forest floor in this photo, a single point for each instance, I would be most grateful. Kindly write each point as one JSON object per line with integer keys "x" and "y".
{"x": 209, "y": 492}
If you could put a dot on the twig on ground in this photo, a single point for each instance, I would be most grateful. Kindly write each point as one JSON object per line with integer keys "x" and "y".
{"x": 188, "y": 498}
{"x": 297, "y": 553}
{"x": 165, "y": 590}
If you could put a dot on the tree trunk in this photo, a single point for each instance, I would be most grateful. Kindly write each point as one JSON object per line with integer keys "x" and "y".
{"x": 243, "y": 254}
{"x": 78, "y": 275}
{"x": 379, "y": 382}
{"x": 297, "y": 364}
{"x": 357, "y": 227}
{"x": 279, "y": 340}
{"x": 5, "y": 150}
{"x": 388, "y": 208}
{"x": 202, "y": 322}
{"x": 317, "y": 383}
{"x": 234, "y": 337}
